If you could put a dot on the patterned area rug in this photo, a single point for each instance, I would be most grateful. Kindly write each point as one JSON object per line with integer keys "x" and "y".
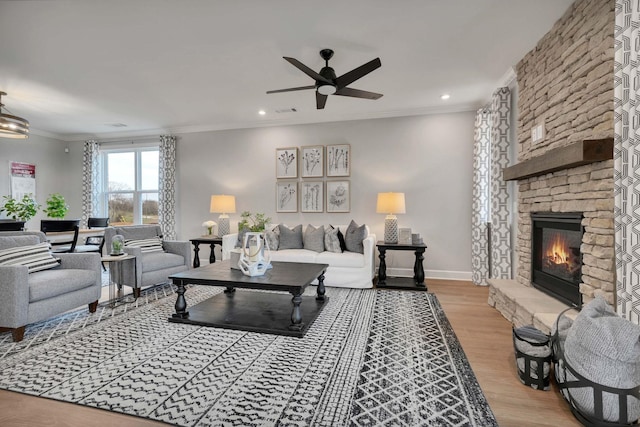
{"x": 372, "y": 357}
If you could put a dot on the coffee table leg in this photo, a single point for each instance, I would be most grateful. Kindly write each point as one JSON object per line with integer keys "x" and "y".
{"x": 181, "y": 303}
{"x": 321, "y": 290}
{"x": 229, "y": 290}
{"x": 296, "y": 315}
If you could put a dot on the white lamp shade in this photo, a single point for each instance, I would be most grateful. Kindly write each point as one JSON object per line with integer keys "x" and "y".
{"x": 390, "y": 203}
{"x": 222, "y": 203}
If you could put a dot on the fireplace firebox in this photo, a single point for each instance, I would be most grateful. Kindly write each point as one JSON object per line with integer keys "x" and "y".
{"x": 556, "y": 260}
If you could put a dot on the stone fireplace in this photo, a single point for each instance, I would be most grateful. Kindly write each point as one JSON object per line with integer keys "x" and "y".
{"x": 565, "y": 93}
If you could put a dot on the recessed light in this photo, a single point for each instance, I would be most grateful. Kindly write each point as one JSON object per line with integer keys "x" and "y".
{"x": 262, "y": 112}
{"x": 445, "y": 96}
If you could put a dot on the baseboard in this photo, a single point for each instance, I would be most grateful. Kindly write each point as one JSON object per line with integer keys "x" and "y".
{"x": 430, "y": 274}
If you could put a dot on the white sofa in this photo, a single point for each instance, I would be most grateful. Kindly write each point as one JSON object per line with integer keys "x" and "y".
{"x": 346, "y": 269}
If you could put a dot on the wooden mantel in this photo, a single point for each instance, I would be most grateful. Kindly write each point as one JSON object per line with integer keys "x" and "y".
{"x": 576, "y": 154}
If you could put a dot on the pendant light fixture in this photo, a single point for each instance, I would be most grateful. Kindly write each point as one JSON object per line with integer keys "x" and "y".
{"x": 12, "y": 126}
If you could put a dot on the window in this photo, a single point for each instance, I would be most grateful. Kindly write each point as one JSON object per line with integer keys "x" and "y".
{"x": 131, "y": 193}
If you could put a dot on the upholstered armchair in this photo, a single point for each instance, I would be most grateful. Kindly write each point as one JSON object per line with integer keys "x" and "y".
{"x": 27, "y": 298}
{"x": 150, "y": 267}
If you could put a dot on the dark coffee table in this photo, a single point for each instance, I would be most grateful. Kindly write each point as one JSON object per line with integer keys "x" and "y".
{"x": 269, "y": 312}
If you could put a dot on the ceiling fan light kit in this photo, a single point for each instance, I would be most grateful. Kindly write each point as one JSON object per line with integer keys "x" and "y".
{"x": 328, "y": 84}
{"x": 12, "y": 126}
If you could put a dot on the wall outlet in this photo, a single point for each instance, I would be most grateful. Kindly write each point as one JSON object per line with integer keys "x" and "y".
{"x": 537, "y": 133}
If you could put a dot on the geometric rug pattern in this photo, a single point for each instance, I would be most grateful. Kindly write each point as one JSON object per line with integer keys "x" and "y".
{"x": 372, "y": 357}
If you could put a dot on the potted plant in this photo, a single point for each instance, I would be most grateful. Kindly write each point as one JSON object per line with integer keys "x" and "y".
{"x": 56, "y": 206}
{"x": 20, "y": 210}
{"x": 253, "y": 222}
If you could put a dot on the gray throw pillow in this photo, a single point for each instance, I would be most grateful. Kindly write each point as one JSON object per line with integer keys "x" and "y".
{"x": 331, "y": 241}
{"x": 241, "y": 234}
{"x": 290, "y": 238}
{"x": 354, "y": 236}
{"x": 273, "y": 238}
{"x": 314, "y": 238}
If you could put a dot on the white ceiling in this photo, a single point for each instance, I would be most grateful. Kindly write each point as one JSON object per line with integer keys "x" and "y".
{"x": 75, "y": 68}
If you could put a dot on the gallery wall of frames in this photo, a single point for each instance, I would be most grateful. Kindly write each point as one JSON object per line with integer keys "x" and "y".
{"x": 312, "y": 178}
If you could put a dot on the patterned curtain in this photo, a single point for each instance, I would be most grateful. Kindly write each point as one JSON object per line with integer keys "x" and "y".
{"x": 481, "y": 207}
{"x": 490, "y": 230}
{"x": 500, "y": 229}
{"x": 627, "y": 158}
{"x": 91, "y": 183}
{"x": 167, "y": 194}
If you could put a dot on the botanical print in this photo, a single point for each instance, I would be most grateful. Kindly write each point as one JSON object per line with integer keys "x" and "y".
{"x": 312, "y": 162}
{"x": 338, "y": 160}
{"x": 312, "y": 197}
{"x": 338, "y": 196}
{"x": 287, "y": 197}
{"x": 287, "y": 162}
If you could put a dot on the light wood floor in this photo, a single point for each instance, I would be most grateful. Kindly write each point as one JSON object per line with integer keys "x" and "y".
{"x": 484, "y": 334}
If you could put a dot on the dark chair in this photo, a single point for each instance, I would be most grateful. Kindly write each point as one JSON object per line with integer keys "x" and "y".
{"x": 61, "y": 226}
{"x": 94, "y": 243}
{"x": 11, "y": 225}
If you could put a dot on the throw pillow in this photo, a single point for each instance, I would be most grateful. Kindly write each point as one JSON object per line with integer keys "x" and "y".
{"x": 241, "y": 234}
{"x": 273, "y": 238}
{"x": 35, "y": 257}
{"x": 146, "y": 245}
{"x": 314, "y": 238}
{"x": 290, "y": 238}
{"x": 331, "y": 240}
{"x": 354, "y": 236}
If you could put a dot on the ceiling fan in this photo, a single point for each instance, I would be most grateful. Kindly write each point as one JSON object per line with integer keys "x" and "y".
{"x": 328, "y": 84}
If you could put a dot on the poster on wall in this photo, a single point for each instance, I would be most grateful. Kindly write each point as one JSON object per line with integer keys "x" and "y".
{"x": 23, "y": 180}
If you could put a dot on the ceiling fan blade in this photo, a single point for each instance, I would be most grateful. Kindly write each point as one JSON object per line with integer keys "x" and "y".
{"x": 320, "y": 100}
{"x": 357, "y": 93}
{"x": 291, "y": 89}
{"x": 308, "y": 71}
{"x": 357, "y": 73}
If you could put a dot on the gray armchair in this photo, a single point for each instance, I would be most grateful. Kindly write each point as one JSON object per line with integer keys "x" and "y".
{"x": 27, "y": 298}
{"x": 154, "y": 267}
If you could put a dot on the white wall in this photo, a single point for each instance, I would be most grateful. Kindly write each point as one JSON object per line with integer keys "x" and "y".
{"x": 56, "y": 171}
{"x": 429, "y": 158}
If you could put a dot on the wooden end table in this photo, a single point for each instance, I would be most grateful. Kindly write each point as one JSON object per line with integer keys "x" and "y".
{"x": 415, "y": 283}
{"x": 212, "y": 241}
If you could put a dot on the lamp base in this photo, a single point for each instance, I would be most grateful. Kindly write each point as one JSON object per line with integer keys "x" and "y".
{"x": 391, "y": 229}
{"x": 223, "y": 225}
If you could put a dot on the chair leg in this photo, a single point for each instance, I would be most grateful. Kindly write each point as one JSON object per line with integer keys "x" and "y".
{"x": 136, "y": 292}
{"x": 16, "y": 333}
{"x": 93, "y": 306}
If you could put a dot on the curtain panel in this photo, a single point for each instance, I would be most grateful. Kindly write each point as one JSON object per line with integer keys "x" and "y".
{"x": 91, "y": 184}
{"x": 167, "y": 182}
{"x": 490, "y": 229}
{"x": 627, "y": 158}
{"x": 481, "y": 194}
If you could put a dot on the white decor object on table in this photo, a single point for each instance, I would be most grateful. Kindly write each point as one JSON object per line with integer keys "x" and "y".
{"x": 404, "y": 236}
{"x": 223, "y": 204}
{"x": 209, "y": 226}
{"x": 255, "y": 258}
{"x": 391, "y": 204}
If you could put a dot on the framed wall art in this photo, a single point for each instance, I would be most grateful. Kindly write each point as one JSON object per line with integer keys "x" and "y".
{"x": 286, "y": 197}
{"x": 287, "y": 162}
{"x": 338, "y": 160}
{"x": 338, "y": 196}
{"x": 312, "y": 196}
{"x": 312, "y": 161}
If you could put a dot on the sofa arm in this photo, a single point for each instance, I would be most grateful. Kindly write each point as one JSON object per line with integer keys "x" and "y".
{"x": 369, "y": 245}
{"x": 228, "y": 243}
{"x": 179, "y": 248}
{"x": 14, "y": 296}
{"x": 86, "y": 261}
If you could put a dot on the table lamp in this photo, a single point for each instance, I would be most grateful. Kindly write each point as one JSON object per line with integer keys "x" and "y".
{"x": 391, "y": 204}
{"x": 223, "y": 204}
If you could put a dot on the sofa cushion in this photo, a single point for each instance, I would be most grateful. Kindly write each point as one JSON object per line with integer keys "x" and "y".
{"x": 36, "y": 257}
{"x": 313, "y": 238}
{"x": 50, "y": 283}
{"x": 354, "y": 236}
{"x": 153, "y": 244}
{"x": 138, "y": 232}
{"x": 294, "y": 255}
{"x": 331, "y": 241}
{"x": 290, "y": 238}
{"x": 346, "y": 259}
{"x": 7, "y": 242}
{"x": 273, "y": 238}
{"x": 153, "y": 261}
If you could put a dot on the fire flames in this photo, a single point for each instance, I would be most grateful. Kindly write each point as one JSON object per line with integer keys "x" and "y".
{"x": 557, "y": 250}
{"x": 559, "y": 258}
